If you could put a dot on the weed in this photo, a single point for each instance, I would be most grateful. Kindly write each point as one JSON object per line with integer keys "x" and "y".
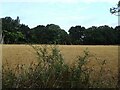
{"x": 52, "y": 72}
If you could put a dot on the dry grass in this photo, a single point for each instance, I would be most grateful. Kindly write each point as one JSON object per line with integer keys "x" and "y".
{"x": 108, "y": 53}
{"x": 24, "y": 54}
{"x": 101, "y": 63}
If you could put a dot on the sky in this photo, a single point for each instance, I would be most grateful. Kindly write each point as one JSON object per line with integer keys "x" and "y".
{"x": 65, "y": 13}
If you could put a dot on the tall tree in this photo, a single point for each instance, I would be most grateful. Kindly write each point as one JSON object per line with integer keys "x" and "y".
{"x": 10, "y": 29}
{"x": 117, "y": 29}
{"x": 90, "y": 35}
{"x": 25, "y": 30}
{"x": 77, "y": 34}
{"x": 53, "y": 32}
{"x": 39, "y": 35}
{"x": 109, "y": 35}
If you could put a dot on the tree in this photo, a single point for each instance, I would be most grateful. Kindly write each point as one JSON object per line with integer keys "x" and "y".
{"x": 63, "y": 37}
{"x": 11, "y": 31}
{"x": 13, "y": 37}
{"x": 39, "y": 35}
{"x": 116, "y": 10}
{"x": 53, "y": 32}
{"x": 10, "y": 24}
{"x": 109, "y": 34}
{"x": 102, "y": 35}
{"x": 25, "y": 30}
{"x": 117, "y": 29}
{"x": 16, "y": 33}
{"x": 90, "y": 35}
{"x": 77, "y": 34}
{"x": 50, "y": 34}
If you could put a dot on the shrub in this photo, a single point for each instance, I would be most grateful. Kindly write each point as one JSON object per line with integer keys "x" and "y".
{"x": 52, "y": 72}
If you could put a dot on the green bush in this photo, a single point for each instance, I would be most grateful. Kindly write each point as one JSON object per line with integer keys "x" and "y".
{"x": 52, "y": 72}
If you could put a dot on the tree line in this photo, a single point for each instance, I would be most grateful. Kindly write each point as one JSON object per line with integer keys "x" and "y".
{"x": 15, "y": 33}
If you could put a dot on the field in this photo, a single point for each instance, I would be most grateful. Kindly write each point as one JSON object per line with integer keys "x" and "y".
{"x": 25, "y": 55}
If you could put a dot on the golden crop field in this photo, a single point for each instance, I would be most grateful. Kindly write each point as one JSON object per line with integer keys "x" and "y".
{"x": 24, "y": 54}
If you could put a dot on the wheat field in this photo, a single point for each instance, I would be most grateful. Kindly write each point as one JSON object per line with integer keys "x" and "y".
{"x": 25, "y": 54}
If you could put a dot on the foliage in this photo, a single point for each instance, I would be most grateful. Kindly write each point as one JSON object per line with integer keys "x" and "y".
{"x": 53, "y": 34}
{"x": 52, "y": 72}
{"x": 77, "y": 34}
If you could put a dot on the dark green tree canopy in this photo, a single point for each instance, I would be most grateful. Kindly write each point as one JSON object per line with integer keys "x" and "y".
{"x": 16, "y": 33}
{"x": 76, "y": 34}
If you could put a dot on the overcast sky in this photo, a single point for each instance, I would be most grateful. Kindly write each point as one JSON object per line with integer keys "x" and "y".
{"x": 65, "y": 13}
